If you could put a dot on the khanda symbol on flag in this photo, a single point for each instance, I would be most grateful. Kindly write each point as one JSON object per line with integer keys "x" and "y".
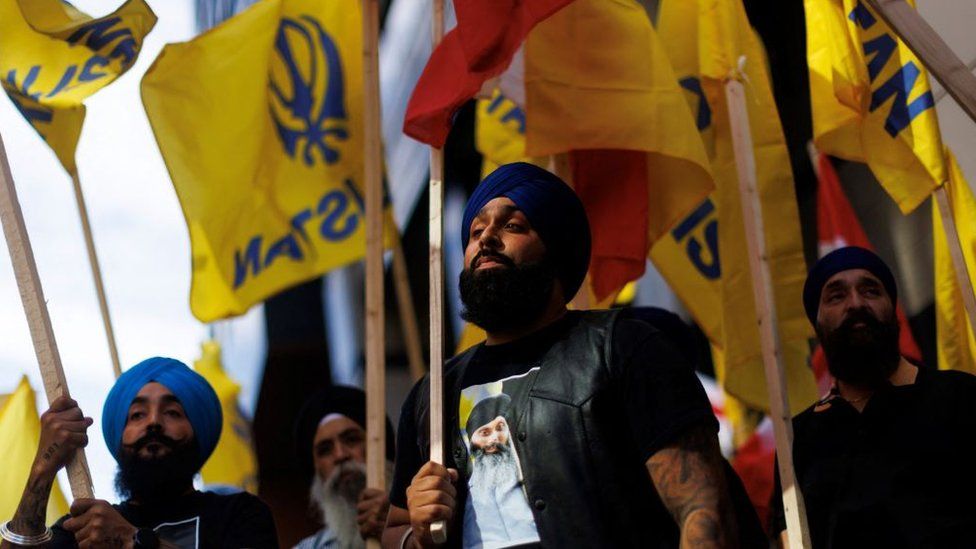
{"x": 260, "y": 123}
{"x": 300, "y": 120}
{"x": 53, "y": 56}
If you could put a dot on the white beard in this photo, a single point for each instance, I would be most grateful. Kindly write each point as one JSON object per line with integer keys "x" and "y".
{"x": 337, "y": 504}
{"x": 492, "y": 471}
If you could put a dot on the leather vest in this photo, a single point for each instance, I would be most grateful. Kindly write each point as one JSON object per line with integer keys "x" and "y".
{"x": 585, "y": 479}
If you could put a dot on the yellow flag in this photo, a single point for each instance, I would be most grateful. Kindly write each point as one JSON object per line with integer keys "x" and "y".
{"x": 499, "y": 133}
{"x": 52, "y": 57}
{"x": 871, "y": 99}
{"x": 260, "y": 122}
{"x": 704, "y": 257}
{"x": 597, "y": 77}
{"x": 954, "y": 339}
{"x": 20, "y": 433}
{"x": 233, "y": 463}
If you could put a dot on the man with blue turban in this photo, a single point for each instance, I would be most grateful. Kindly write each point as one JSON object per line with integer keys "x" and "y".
{"x": 609, "y": 439}
{"x": 161, "y": 421}
{"x": 885, "y": 459}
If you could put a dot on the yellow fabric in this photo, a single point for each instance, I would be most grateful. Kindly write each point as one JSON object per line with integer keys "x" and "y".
{"x": 704, "y": 258}
{"x": 20, "y": 433}
{"x": 233, "y": 462}
{"x": 855, "y": 95}
{"x": 52, "y": 57}
{"x": 596, "y": 77}
{"x": 263, "y": 139}
{"x": 499, "y": 133}
{"x": 954, "y": 339}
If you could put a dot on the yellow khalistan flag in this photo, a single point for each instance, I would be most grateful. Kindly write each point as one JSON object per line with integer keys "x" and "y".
{"x": 52, "y": 57}
{"x": 260, "y": 122}
{"x": 871, "y": 100}
{"x": 499, "y": 133}
{"x": 20, "y": 432}
{"x": 704, "y": 257}
{"x": 233, "y": 463}
{"x": 955, "y": 342}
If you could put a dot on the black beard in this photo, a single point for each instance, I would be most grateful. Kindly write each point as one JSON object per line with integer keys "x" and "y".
{"x": 506, "y": 298}
{"x": 160, "y": 478}
{"x": 864, "y": 357}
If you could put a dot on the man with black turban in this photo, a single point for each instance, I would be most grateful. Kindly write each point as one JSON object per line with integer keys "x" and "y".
{"x": 161, "y": 421}
{"x": 886, "y": 458}
{"x": 331, "y": 435}
{"x": 612, "y": 436}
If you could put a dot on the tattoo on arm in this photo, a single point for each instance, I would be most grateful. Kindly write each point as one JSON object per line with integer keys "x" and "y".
{"x": 690, "y": 479}
{"x": 31, "y": 512}
{"x": 49, "y": 453}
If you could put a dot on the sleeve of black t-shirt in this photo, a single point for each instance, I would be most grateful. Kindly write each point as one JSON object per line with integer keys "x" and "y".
{"x": 252, "y": 524}
{"x": 63, "y": 539}
{"x": 408, "y": 458}
{"x": 777, "y": 517}
{"x": 662, "y": 393}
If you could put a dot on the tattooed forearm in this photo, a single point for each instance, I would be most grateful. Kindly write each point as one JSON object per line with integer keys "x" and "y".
{"x": 29, "y": 518}
{"x": 690, "y": 480}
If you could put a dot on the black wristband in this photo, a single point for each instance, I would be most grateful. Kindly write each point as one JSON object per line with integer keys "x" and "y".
{"x": 146, "y": 538}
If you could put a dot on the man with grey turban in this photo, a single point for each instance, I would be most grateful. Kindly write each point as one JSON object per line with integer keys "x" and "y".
{"x": 612, "y": 440}
{"x": 161, "y": 421}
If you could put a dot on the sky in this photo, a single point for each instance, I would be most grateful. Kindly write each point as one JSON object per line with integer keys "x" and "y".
{"x": 140, "y": 236}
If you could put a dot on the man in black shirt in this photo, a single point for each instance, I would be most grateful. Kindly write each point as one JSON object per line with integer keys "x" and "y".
{"x": 886, "y": 459}
{"x": 161, "y": 421}
{"x": 564, "y": 429}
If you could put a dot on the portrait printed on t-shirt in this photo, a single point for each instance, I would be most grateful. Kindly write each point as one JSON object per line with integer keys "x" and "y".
{"x": 497, "y": 512}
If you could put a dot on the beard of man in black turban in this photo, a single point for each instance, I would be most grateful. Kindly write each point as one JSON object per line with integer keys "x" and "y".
{"x": 507, "y": 297}
{"x": 863, "y": 349}
{"x": 160, "y": 477}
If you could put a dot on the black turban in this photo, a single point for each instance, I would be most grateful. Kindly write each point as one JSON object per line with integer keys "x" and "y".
{"x": 348, "y": 401}
{"x": 839, "y": 260}
{"x": 486, "y": 411}
{"x": 552, "y": 208}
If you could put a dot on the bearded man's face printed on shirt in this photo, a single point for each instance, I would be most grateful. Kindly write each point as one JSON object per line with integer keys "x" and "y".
{"x": 494, "y": 460}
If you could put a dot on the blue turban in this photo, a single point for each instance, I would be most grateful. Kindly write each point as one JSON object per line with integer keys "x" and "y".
{"x": 199, "y": 401}
{"x": 839, "y": 260}
{"x": 552, "y": 208}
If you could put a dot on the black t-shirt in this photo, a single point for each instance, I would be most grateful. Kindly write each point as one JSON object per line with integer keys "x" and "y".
{"x": 898, "y": 474}
{"x": 663, "y": 398}
{"x": 197, "y": 521}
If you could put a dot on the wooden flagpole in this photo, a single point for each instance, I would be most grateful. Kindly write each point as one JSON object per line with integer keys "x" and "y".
{"x": 375, "y": 340}
{"x": 438, "y": 530}
{"x": 408, "y": 313}
{"x": 96, "y": 274}
{"x": 38, "y": 319}
{"x": 762, "y": 290}
{"x": 957, "y": 79}
{"x": 963, "y": 276}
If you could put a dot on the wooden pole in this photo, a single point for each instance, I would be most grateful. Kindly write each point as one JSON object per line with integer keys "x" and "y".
{"x": 963, "y": 276}
{"x": 932, "y": 51}
{"x": 438, "y": 530}
{"x": 408, "y": 313}
{"x": 38, "y": 319}
{"x": 762, "y": 290}
{"x": 375, "y": 348}
{"x": 96, "y": 274}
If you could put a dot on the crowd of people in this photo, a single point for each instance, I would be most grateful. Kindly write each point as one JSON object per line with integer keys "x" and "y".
{"x": 563, "y": 429}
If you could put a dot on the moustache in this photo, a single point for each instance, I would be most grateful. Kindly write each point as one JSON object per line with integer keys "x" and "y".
{"x": 860, "y": 315}
{"x": 496, "y": 257}
{"x": 154, "y": 437}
